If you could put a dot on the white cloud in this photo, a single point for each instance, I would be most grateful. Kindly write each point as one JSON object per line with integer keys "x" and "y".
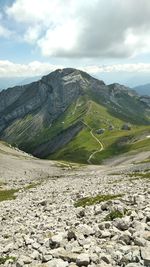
{"x": 36, "y": 68}
{"x": 4, "y": 32}
{"x": 32, "y": 34}
{"x": 37, "y": 11}
{"x": 116, "y": 68}
{"x": 59, "y": 40}
{"x": 79, "y": 28}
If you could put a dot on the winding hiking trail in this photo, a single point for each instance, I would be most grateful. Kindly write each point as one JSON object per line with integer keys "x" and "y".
{"x": 91, "y": 132}
{"x": 99, "y": 142}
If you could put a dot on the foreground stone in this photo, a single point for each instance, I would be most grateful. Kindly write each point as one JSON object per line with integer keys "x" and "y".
{"x": 43, "y": 228}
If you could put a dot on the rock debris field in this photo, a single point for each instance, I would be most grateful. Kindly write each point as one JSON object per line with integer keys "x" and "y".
{"x": 95, "y": 216}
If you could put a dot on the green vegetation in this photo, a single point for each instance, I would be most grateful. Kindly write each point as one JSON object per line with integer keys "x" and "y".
{"x": 139, "y": 175}
{"x": 143, "y": 161}
{"x": 71, "y": 116}
{"x": 4, "y": 259}
{"x": 95, "y": 114}
{"x": 119, "y": 142}
{"x": 8, "y": 194}
{"x": 115, "y": 173}
{"x": 81, "y": 147}
{"x": 99, "y": 117}
{"x": 88, "y": 201}
{"x": 116, "y": 181}
{"x": 114, "y": 214}
{"x": 78, "y": 150}
{"x": 69, "y": 165}
{"x": 115, "y": 142}
{"x": 32, "y": 185}
{"x": 127, "y": 108}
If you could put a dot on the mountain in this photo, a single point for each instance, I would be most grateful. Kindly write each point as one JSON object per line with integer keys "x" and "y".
{"x": 59, "y": 117}
{"x": 143, "y": 89}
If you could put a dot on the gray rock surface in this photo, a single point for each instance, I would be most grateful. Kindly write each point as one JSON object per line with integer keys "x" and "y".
{"x": 42, "y": 227}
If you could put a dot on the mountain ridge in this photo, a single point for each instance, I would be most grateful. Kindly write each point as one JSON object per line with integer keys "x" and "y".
{"x": 36, "y": 116}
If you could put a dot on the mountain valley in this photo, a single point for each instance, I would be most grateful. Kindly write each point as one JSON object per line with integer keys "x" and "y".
{"x": 58, "y": 117}
{"x": 74, "y": 174}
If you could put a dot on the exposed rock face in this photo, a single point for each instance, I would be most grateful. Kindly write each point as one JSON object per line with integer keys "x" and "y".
{"x": 53, "y": 92}
{"x": 44, "y": 100}
{"x": 145, "y": 99}
{"x": 26, "y": 111}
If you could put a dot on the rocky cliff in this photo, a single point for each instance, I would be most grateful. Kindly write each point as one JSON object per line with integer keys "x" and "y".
{"x": 29, "y": 111}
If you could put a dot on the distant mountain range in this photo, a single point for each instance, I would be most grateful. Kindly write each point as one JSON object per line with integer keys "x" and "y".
{"x": 143, "y": 89}
{"x": 70, "y": 115}
{"x": 14, "y": 81}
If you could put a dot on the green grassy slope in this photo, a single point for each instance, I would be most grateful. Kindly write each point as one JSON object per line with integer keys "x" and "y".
{"x": 91, "y": 113}
{"x": 115, "y": 142}
{"x": 119, "y": 142}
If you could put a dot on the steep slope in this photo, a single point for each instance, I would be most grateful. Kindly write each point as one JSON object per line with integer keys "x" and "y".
{"x": 57, "y": 114}
{"x": 112, "y": 142}
{"x": 40, "y": 205}
{"x": 21, "y": 170}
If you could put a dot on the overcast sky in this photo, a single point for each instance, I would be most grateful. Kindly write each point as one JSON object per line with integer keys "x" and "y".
{"x": 107, "y": 38}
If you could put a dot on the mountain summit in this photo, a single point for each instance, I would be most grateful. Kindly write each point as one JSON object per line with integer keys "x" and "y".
{"x": 44, "y": 116}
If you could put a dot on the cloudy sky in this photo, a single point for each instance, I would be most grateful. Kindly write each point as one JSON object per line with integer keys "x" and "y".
{"x": 108, "y": 38}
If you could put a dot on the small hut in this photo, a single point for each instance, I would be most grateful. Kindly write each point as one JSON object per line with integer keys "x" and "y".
{"x": 126, "y": 127}
{"x": 100, "y": 131}
{"x": 111, "y": 127}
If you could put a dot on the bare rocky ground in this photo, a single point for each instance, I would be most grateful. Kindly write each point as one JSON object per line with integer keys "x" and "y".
{"x": 46, "y": 226}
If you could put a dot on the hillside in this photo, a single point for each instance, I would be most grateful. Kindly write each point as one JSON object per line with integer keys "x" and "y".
{"x": 58, "y": 117}
{"x": 19, "y": 169}
{"x": 55, "y": 215}
{"x": 112, "y": 142}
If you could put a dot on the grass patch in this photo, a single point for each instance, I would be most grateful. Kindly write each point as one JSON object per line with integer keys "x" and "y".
{"x": 116, "y": 181}
{"x": 4, "y": 259}
{"x": 69, "y": 165}
{"x": 33, "y": 185}
{"x": 139, "y": 175}
{"x": 115, "y": 214}
{"x": 78, "y": 150}
{"x": 88, "y": 201}
{"x": 115, "y": 142}
{"x": 8, "y": 194}
{"x": 115, "y": 173}
{"x": 143, "y": 161}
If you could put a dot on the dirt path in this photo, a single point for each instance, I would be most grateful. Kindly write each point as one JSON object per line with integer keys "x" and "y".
{"x": 98, "y": 141}
{"x": 92, "y": 134}
{"x": 97, "y": 151}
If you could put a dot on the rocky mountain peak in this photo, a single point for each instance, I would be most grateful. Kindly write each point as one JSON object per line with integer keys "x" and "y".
{"x": 33, "y": 108}
{"x": 70, "y": 75}
{"x": 117, "y": 88}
